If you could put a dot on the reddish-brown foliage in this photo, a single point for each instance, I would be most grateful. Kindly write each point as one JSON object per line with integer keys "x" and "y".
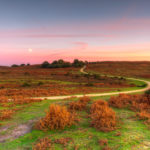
{"x": 58, "y": 117}
{"x": 7, "y": 105}
{"x": 16, "y": 100}
{"x": 143, "y": 115}
{"x": 63, "y": 141}
{"x": 139, "y": 103}
{"x": 132, "y": 69}
{"x": 118, "y": 134}
{"x": 37, "y": 82}
{"x": 4, "y": 99}
{"x": 84, "y": 99}
{"x": 43, "y": 144}
{"x": 77, "y": 106}
{"x": 98, "y": 106}
{"x": 106, "y": 148}
{"x": 19, "y": 100}
{"x": 103, "y": 142}
{"x": 136, "y": 102}
{"x": 103, "y": 117}
{"x": 80, "y": 104}
{"x": 6, "y": 114}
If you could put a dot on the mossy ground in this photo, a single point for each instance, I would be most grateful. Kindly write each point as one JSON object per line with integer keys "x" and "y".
{"x": 134, "y": 134}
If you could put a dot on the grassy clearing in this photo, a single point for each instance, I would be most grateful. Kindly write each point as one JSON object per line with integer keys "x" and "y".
{"x": 133, "y": 132}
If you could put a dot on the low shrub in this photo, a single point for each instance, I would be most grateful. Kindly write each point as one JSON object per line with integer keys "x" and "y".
{"x": 77, "y": 106}
{"x": 89, "y": 84}
{"x": 98, "y": 106}
{"x": 63, "y": 141}
{"x": 4, "y": 99}
{"x": 103, "y": 142}
{"x": 43, "y": 144}
{"x": 137, "y": 103}
{"x": 106, "y": 148}
{"x": 26, "y": 84}
{"x": 84, "y": 99}
{"x": 143, "y": 115}
{"x": 20, "y": 100}
{"x": 6, "y": 114}
{"x": 103, "y": 117}
{"x": 147, "y": 92}
{"x": 80, "y": 104}
{"x": 120, "y": 101}
{"x": 40, "y": 83}
{"x": 58, "y": 117}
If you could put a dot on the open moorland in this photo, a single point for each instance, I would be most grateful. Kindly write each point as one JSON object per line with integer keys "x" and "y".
{"x": 124, "y": 68}
{"x": 33, "y": 81}
{"x": 119, "y": 122}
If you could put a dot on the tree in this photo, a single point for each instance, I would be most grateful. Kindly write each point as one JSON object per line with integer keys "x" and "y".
{"x": 22, "y": 65}
{"x": 61, "y": 61}
{"x": 14, "y": 65}
{"x": 77, "y": 63}
{"x": 45, "y": 64}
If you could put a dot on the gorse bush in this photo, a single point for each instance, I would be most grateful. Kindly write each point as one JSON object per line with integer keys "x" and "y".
{"x": 58, "y": 117}
{"x": 103, "y": 117}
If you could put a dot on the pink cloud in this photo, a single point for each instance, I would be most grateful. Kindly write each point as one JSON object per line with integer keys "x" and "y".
{"x": 81, "y": 45}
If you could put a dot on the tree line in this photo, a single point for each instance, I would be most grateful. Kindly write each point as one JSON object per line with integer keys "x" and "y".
{"x": 62, "y": 64}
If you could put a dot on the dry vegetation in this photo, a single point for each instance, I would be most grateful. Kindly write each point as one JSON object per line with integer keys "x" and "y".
{"x": 137, "y": 103}
{"x": 6, "y": 114}
{"x": 9, "y": 105}
{"x": 80, "y": 104}
{"x": 43, "y": 144}
{"x": 131, "y": 69}
{"x": 103, "y": 117}
{"x": 33, "y": 81}
{"x": 58, "y": 117}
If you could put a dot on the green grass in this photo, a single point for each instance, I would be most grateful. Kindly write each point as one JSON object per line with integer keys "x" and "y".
{"x": 133, "y": 132}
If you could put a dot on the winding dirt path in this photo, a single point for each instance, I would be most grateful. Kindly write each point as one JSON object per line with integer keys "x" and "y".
{"x": 82, "y": 70}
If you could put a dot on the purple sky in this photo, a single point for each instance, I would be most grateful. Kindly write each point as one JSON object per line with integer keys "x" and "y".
{"x": 34, "y": 31}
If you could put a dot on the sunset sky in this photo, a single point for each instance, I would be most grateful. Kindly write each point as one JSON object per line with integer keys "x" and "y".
{"x": 32, "y": 31}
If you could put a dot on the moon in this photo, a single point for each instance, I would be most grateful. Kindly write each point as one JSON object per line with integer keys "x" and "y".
{"x": 30, "y": 50}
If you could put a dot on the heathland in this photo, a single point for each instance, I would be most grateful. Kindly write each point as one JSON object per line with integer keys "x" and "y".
{"x": 120, "y": 122}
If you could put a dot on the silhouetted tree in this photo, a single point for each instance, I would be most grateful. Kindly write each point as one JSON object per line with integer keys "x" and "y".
{"x": 22, "y": 65}
{"x": 14, "y": 65}
{"x": 45, "y": 64}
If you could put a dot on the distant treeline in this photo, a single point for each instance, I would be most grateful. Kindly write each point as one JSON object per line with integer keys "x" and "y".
{"x": 62, "y": 64}
{"x": 22, "y": 65}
